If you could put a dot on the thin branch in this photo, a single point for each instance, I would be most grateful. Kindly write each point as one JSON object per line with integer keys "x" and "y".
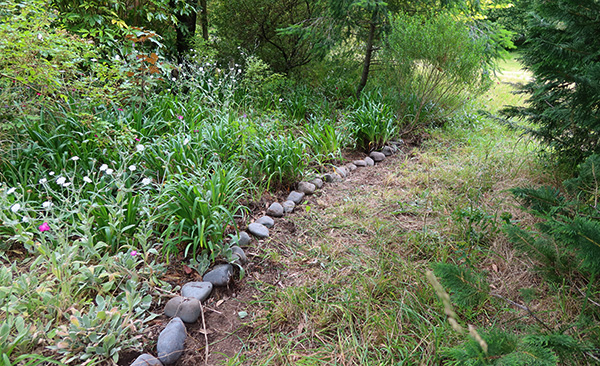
{"x": 523, "y": 307}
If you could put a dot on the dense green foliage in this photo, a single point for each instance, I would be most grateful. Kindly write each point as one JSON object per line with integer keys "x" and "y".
{"x": 562, "y": 53}
{"x": 127, "y": 142}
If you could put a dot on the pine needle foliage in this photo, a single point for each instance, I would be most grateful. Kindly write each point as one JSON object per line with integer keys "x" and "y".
{"x": 504, "y": 348}
{"x": 468, "y": 289}
{"x": 563, "y": 54}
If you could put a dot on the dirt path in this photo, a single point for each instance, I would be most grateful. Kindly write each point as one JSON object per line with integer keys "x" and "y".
{"x": 284, "y": 260}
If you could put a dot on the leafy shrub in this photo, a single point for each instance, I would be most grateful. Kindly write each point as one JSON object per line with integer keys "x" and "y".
{"x": 434, "y": 63}
{"x": 372, "y": 124}
{"x": 279, "y": 159}
{"x": 41, "y": 63}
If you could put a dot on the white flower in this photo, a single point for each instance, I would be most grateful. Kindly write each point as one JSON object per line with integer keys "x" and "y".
{"x": 117, "y": 57}
{"x": 25, "y": 219}
{"x": 40, "y": 37}
{"x": 42, "y": 181}
{"x": 93, "y": 60}
{"x": 16, "y": 207}
{"x": 146, "y": 181}
{"x": 87, "y": 179}
{"x": 75, "y": 158}
{"x": 51, "y": 173}
{"x": 67, "y": 184}
{"x": 47, "y": 204}
{"x": 140, "y": 147}
{"x": 109, "y": 171}
{"x": 61, "y": 181}
{"x": 103, "y": 167}
{"x": 132, "y": 168}
{"x": 11, "y": 191}
{"x": 186, "y": 141}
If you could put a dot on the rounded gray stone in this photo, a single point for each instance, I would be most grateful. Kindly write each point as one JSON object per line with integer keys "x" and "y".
{"x": 306, "y": 188}
{"x": 288, "y": 206}
{"x": 240, "y": 253}
{"x": 267, "y": 221}
{"x": 318, "y": 182}
{"x": 171, "y": 342}
{"x": 197, "y": 290}
{"x": 341, "y": 171}
{"x": 295, "y": 197}
{"x": 387, "y": 151}
{"x": 146, "y": 359}
{"x": 243, "y": 239}
{"x": 258, "y": 230}
{"x": 187, "y": 309}
{"x": 376, "y": 156}
{"x": 331, "y": 177}
{"x": 220, "y": 275}
{"x": 275, "y": 210}
{"x": 351, "y": 167}
{"x": 359, "y": 163}
{"x": 369, "y": 161}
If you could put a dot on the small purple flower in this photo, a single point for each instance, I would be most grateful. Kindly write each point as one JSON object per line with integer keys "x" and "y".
{"x": 136, "y": 139}
{"x": 44, "y": 227}
{"x": 180, "y": 118}
{"x": 134, "y": 253}
{"x": 120, "y": 109}
{"x": 244, "y": 115}
{"x": 196, "y": 131}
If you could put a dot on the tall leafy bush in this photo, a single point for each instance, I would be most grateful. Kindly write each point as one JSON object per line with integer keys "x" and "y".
{"x": 434, "y": 63}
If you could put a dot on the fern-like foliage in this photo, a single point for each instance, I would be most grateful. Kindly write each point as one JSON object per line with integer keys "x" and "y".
{"x": 507, "y": 349}
{"x": 468, "y": 288}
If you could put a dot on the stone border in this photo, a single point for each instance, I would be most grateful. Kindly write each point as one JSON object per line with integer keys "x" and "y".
{"x": 187, "y": 308}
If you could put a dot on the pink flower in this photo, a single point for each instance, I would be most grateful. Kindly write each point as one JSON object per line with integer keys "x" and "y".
{"x": 134, "y": 253}
{"x": 180, "y": 117}
{"x": 120, "y": 109}
{"x": 38, "y": 94}
{"x": 196, "y": 130}
{"x": 44, "y": 227}
{"x": 136, "y": 139}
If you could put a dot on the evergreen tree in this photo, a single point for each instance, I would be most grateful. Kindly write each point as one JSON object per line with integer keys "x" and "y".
{"x": 563, "y": 53}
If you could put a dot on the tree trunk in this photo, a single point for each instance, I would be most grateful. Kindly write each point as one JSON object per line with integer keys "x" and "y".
{"x": 204, "y": 19}
{"x": 186, "y": 29}
{"x": 368, "y": 56}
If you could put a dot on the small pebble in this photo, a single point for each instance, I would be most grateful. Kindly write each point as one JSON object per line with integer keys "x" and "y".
{"x": 171, "y": 342}
{"x": 341, "y": 171}
{"x": 243, "y": 239}
{"x": 288, "y": 206}
{"x": 275, "y": 210}
{"x": 240, "y": 253}
{"x": 359, "y": 163}
{"x": 377, "y": 156}
{"x": 331, "y": 177}
{"x": 197, "y": 290}
{"x": 187, "y": 309}
{"x": 306, "y": 188}
{"x": 146, "y": 359}
{"x": 351, "y": 167}
{"x": 295, "y": 197}
{"x": 220, "y": 275}
{"x": 387, "y": 151}
{"x": 258, "y": 230}
{"x": 318, "y": 182}
{"x": 369, "y": 161}
{"x": 267, "y": 221}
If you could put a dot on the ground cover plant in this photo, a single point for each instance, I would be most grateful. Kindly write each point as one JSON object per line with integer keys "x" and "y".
{"x": 129, "y": 153}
